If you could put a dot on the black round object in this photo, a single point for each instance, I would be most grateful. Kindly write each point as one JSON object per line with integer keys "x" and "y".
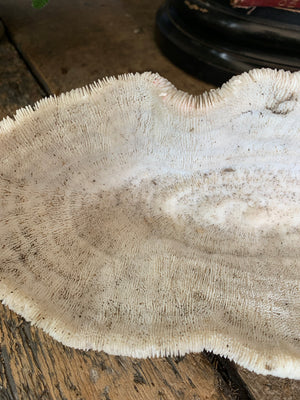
{"x": 214, "y": 41}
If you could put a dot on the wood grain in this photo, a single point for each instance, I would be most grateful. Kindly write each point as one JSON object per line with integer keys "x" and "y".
{"x": 34, "y": 366}
{"x": 270, "y": 387}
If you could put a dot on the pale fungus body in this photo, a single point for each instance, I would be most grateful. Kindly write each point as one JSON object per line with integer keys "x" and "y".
{"x": 142, "y": 221}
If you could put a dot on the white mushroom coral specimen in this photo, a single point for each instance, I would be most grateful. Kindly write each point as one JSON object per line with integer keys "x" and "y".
{"x": 142, "y": 221}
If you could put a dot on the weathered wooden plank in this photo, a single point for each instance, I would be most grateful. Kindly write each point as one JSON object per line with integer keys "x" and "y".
{"x": 72, "y": 43}
{"x": 34, "y": 366}
{"x": 269, "y": 387}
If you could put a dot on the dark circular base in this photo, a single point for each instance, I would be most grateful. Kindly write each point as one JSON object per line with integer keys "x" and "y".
{"x": 214, "y": 42}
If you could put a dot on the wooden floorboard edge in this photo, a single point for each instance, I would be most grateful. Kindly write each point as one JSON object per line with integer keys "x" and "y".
{"x": 29, "y": 66}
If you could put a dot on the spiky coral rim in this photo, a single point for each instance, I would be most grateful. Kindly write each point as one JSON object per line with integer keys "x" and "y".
{"x": 178, "y": 98}
{"x": 281, "y": 365}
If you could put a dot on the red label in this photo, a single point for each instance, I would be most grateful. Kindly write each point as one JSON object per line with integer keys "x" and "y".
{"x": 266, "y": 3}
